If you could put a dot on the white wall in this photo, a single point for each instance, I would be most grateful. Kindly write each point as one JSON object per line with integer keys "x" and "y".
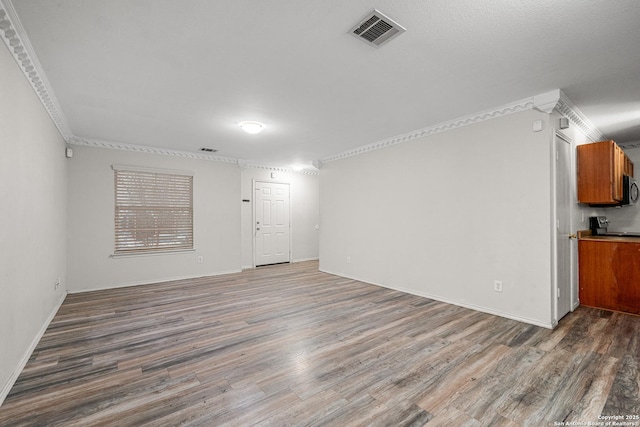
{"x": 305, "y": 212}
{"x": 446, "y": 215}
{"x": 216, "y": 207}
{"x": 33, "y": 194}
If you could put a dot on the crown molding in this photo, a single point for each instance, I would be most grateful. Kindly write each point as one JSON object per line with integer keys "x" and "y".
{"x": 546, "y": 102}
{"x": 267, "y": 167}
{"x": 246, "y": 164}
{"x": 14, "y": 36}
{"x": 74, "y": 140}
{"x": 557, "y": 100}
{"x": 575, "y": 116}
{"x": 504, "y": 110}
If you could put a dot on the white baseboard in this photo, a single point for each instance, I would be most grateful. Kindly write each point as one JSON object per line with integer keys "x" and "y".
{"x": 305, "y": 259}
{"x": 148, "y": 282}
{"x": 6, "y": 388}
{"x": 250, "y": 267}
{"x": 534, "y": 322}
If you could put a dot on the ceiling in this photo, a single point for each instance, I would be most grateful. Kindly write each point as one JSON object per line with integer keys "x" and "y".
{"x": 182, "y": 75}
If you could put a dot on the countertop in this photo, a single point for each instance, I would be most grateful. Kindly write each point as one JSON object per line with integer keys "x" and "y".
{"x": 586, "y": 235}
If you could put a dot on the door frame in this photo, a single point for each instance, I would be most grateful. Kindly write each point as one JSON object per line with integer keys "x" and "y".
{"x": 253, "y": 217}
{"x": 571, "y": 288}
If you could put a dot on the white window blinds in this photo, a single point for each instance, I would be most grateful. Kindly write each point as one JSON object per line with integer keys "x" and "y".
{"x": 153, "y": 211}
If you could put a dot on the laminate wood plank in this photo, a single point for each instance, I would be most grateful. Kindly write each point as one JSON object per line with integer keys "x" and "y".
{"x": 570, "y": 392}
{"x": 378, "y": 369}
{"x": 212, "y": 410}
{"x": 364, "y": 411}
{"x": 593, "y": 401}
{"x": 413, "y": 382}
{"x": 337, "y": 369}
{"x": 489, "y": 393}
{"x": 552, "y": 390}
{"x": 289, "y": 345}
{"x": 60, "y": 402}
{"x": 126, "y": 407}
{"x": 624, "y": 397}
{"x": 616, "y": 338}
{"x": 178, "y": 409}
{"x": 314, "y": 410}
{"x": 480, "y": 364}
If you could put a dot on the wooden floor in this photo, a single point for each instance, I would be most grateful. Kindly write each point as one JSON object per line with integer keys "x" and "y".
{"x": 288, "y": 345}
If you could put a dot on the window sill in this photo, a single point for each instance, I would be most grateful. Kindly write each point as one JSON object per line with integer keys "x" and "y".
{"x": 151, "y": 253}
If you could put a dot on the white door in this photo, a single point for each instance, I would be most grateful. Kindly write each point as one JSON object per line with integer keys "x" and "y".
{"x": 563, "y": 227}
{"x": 271, "y": 213}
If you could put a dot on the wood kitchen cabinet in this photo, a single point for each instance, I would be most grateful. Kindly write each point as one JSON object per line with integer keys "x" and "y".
{"x": 600, "y": 168}
{"x": 609, "y": 273}
{"x": 628, "y": 166}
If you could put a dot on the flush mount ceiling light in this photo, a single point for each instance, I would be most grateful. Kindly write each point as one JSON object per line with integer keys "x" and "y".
{"x": 252, "y": 127}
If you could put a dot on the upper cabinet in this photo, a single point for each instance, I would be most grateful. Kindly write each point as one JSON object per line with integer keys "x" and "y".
{"x": 601, "y": 166}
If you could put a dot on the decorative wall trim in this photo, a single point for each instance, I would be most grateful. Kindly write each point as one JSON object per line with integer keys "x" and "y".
{"x": 279, "y": 169}
{"x": 575, "y": 116}
{"x": 557, "y": 100}
{"x": 74, "y": 140}
{"x": 545, "y": 102}
{"x": 14, "y": 36}
{"x": 514, "y": 107}
{"x": 147, "y": 149}
{"x": 308, "y": 172}
{"x": 266, "y": 167}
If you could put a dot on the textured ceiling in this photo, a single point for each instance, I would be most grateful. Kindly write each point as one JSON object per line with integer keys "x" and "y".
{"x": 182, "y": 75}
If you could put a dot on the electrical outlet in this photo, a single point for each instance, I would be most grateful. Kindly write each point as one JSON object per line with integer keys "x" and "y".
{"x": 200, "y": 259}
{"x": 497, "y": 285}
{"x": 348, "y": 260}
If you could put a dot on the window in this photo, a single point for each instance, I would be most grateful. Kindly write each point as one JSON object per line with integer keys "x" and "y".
{"x": 153, "y": 211}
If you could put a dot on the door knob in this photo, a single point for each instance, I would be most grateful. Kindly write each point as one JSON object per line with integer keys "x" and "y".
{"x": 572, "y": 236}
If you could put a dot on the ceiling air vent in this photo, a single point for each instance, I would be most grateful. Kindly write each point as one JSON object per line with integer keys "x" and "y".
{"x": 376, "y": 29}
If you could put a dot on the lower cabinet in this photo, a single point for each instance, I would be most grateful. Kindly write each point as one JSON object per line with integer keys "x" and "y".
{"x": 609, "y": 274}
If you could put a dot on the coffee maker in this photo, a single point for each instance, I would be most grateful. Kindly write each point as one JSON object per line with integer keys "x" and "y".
{"x": 598, "y": 225}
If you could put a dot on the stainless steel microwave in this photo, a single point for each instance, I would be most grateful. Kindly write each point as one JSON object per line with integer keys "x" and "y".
{"x": 630, "y": 193}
